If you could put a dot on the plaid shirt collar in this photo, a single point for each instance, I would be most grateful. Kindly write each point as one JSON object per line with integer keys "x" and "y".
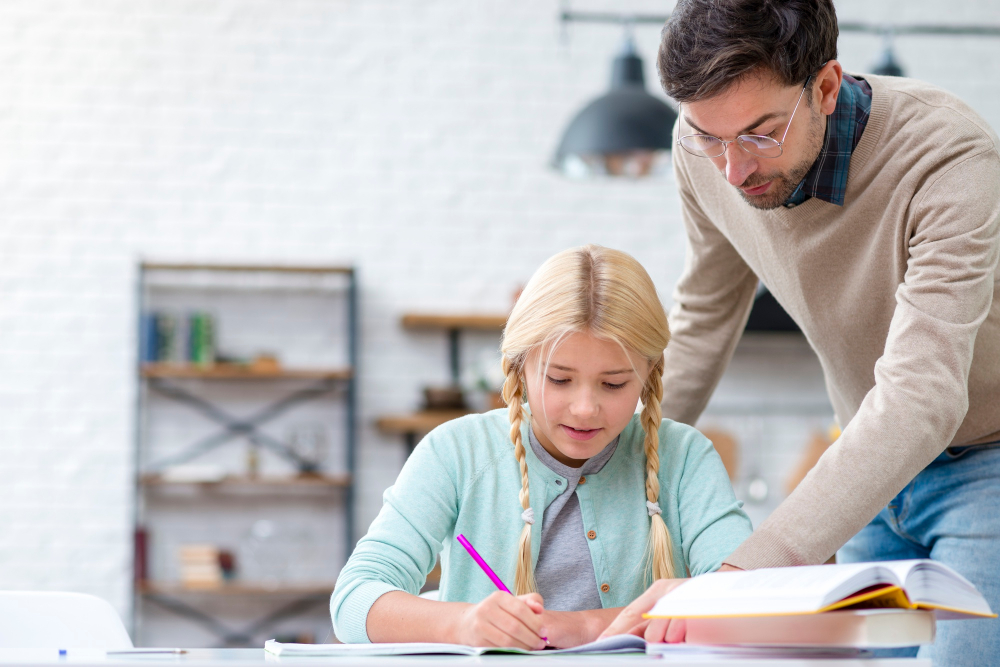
{"x": 827, "y": 179}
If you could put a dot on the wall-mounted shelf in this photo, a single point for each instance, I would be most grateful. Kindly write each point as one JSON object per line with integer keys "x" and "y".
{"x": 482, "y": 322}
{"x": 243, "y": 481}
{"x": 454, "y": 324}
{"x": 241, "y": 372}
{"x": 234, "y": 589}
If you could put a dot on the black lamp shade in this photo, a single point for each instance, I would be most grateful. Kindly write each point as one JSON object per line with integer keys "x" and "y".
{"x": 619, "y": 132}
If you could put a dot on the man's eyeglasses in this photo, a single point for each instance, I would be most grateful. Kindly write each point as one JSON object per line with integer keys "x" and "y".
{"x": 705, "y": 145}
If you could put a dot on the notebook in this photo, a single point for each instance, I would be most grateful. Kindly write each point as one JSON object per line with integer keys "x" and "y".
{"x": 615, "y": 644}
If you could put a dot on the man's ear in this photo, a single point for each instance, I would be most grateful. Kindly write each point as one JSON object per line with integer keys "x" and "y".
{"x": 827, "y": 86}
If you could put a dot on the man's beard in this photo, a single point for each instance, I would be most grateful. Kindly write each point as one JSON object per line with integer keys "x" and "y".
{"x": 783, "y": 184}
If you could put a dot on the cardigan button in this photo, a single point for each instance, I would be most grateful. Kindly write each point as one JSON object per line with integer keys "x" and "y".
{"x": 591, "y": 534}
{"x": 605, "y": 588}
{"x": 583, "y": 480}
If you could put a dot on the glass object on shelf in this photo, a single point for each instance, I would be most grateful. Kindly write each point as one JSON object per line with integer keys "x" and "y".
{"x": 310, "y": 443}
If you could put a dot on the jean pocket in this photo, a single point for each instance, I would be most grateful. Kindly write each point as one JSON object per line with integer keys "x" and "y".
{"x": 958, "y": 452}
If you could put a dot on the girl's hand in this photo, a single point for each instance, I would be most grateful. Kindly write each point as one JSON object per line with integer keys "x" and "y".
{"x": 504, "y": 620}
{"x": 658, "y": 630}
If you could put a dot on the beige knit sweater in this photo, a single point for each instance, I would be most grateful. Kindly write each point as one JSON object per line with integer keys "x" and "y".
{"x": 894, "y": 291}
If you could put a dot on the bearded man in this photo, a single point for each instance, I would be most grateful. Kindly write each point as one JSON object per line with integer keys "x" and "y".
{"x": 870, "y": 207}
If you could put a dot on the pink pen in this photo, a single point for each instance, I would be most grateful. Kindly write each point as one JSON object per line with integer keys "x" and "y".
{"x": 486, "y": 568}
{"x": 481, "y": 563}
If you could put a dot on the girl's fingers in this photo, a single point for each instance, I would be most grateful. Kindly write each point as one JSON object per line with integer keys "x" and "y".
{"x": 520, "y": 623}
{"x": 677, "y": 632}
{"x": 519, "y": 609}
{"x": 631, "y": 615}
{"x": 534, "y": 602}
{"x": 656, "y": 631}
{"x": 639, "y": 630}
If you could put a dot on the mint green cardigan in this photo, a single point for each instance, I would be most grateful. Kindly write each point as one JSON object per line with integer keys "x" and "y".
{"x": 463, "y": 478}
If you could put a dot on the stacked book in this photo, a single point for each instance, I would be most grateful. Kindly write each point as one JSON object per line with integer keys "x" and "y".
{"x": 200, "y": 566}
{"x": 855, "y": 605}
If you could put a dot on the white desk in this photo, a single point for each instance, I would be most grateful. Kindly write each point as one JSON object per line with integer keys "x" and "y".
{"x": 255, "y": 657}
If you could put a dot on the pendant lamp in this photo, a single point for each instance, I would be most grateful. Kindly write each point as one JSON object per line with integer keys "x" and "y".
{"x": 620, "y": 132}
{"x": 887, "y": 64}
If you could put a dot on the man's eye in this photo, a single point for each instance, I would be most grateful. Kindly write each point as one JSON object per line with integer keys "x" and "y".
{"x": 556, "y": 381}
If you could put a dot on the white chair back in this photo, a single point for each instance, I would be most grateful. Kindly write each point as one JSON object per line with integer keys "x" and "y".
{"x": 30, "y": 619}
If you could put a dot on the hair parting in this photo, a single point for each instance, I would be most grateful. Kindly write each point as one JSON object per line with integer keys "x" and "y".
{"x": 608, "y": 294}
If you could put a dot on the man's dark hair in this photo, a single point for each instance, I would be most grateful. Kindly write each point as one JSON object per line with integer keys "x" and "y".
{"x": 707, "y": 45}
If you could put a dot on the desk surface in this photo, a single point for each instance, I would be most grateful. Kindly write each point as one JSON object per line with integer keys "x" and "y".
{"x": 254, "y": 658}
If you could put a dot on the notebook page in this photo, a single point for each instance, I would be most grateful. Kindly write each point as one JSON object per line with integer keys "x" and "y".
{"x": 331, "y": 650}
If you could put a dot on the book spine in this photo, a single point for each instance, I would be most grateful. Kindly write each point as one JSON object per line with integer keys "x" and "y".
{"x": 148, "y": 344}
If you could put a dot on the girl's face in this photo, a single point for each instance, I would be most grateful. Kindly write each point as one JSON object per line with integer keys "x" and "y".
{"x": 584, "y": 397}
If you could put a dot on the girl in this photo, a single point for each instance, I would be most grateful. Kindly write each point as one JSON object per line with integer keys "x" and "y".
{"x": 574, "y": 499}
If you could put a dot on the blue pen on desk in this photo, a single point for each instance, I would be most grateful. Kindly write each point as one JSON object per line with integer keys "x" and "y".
{"x": 481, "y": 562}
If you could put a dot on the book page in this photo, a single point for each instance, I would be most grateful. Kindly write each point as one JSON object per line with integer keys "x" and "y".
{"x": 768, "y": 591}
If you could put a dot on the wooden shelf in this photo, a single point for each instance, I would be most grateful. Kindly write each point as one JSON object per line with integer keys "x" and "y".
{"x": 237, "y": 588}
{"x": 482, "y": 322}
{"x": 418, "y": 422}
{"x": 241, "y": 372}
{"x": 299, "y": 481}
{"x": 263, "y": 268}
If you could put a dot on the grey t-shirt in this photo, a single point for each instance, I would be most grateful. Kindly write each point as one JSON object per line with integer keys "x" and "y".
{"x": 564, "y": 573}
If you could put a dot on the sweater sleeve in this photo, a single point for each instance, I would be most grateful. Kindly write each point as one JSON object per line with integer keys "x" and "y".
{"x": 712, "y": 523}
{"x": 920, "y": 396}
{"x": 712, "y": 301}
{"x": 402, "y": 543}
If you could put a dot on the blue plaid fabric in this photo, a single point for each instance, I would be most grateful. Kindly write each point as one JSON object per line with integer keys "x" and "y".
{"x": 827, "y": 179}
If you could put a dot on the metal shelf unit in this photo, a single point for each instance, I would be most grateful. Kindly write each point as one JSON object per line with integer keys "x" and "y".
{"x": 190, "y": 387}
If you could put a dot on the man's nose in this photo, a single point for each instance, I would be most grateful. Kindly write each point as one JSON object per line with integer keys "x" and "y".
{"x": 737, "y": 164}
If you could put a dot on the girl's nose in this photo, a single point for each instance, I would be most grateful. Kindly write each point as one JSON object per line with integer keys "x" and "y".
{"x": 585, "y": 404}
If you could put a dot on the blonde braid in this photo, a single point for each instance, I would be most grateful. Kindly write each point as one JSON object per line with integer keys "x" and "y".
{"x": 659, "y": 551}
{"x": 513, "y": 396}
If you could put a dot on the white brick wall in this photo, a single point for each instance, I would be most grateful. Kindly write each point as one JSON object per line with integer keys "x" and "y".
{"x": 410, "y": 139}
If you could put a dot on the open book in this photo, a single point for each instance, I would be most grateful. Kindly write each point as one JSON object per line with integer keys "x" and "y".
{"x": 616, "y": 644}
{"x": 903, "y": 584}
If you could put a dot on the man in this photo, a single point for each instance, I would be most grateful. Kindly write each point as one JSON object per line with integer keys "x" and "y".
{"x": 870, "y": 207}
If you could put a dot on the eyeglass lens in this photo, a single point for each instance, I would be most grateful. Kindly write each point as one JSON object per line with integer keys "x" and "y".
{"x": 705, "y": 145}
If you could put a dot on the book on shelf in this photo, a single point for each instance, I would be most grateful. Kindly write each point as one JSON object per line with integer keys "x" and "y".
{"x": 902, "y": 584}
{"x": 861, "y": 628}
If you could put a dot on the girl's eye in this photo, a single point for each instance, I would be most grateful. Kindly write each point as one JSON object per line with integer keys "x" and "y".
{"x": 615, "y": 386}
{"x": 556, "y": 381}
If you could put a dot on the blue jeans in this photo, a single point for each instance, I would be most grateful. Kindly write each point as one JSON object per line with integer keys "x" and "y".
{"x": 949, "y": 512}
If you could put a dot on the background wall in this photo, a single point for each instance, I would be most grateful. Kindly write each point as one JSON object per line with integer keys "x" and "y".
{"x": 408, "y": 139}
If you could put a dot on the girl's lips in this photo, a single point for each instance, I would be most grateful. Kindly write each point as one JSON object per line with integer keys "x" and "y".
{"x": 759, "y": 190}
{"x": 579, "y": 434}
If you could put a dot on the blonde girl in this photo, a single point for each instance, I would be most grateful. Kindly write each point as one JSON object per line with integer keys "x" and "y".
{"x": 577, "y": 502}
